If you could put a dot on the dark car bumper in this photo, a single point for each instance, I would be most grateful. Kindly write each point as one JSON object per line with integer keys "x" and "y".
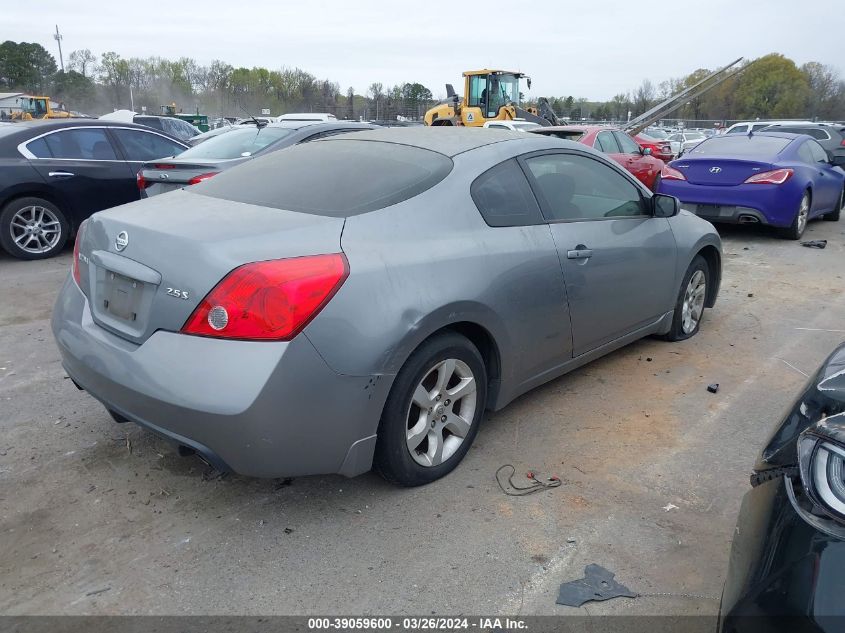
{"x": 784, "y": 574}
{"x": 764, "y": 204}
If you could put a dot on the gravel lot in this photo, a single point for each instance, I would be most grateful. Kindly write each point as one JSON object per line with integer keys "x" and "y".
{"x": 100, "y": 518}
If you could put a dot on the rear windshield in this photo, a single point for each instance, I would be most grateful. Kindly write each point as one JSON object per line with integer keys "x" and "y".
{"x": 241, "y": 142}
{"x": 740, "y": 146}
{"x": 336, "y": 177}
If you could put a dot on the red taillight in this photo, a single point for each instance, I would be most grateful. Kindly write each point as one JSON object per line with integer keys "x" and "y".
{"x": 201, "y": 177}
{"x": 843, "y": 141}
{"x": 141, "y": 181}
{"x": 271, "y": 300}
{"x": 668, "y": 173}
{"x": 163, "y": 166}
{"x": 77, "y": 276}
{"x": 774, "y": 177}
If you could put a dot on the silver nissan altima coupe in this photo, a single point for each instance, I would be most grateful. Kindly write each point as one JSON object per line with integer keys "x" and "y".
{"x": 361, "y": 300}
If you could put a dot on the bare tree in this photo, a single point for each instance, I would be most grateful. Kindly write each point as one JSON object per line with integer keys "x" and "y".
{"x": 82, "y": 61}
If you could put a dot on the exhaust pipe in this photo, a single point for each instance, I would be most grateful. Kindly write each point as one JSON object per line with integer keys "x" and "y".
{"x": 748, "y": 219}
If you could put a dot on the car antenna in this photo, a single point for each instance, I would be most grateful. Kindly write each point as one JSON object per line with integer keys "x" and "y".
{"x": 258, "y": 124}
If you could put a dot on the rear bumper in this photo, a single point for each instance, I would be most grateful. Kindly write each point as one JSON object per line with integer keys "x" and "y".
{"x": 263, "y": 409}
{"x": 775, "y": 205}
{"x": 784, "y": 574}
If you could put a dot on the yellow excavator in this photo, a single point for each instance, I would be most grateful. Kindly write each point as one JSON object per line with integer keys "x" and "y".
{"x": 489, "y": 95}
{"x": 38, "y": 108}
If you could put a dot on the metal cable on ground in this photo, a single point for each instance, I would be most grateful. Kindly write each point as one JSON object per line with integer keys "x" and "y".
{"x": 521, "y": 491}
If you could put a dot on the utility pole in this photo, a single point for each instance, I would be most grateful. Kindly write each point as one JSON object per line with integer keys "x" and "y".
{"x": 58, "y": 37}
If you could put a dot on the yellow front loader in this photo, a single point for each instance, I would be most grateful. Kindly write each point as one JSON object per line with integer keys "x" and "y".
{"x": 37, "y": 108}
{"x": 489, "y": 95}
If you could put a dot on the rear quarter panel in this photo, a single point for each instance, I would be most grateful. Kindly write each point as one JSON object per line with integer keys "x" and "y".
{"x": 432, "y": 261}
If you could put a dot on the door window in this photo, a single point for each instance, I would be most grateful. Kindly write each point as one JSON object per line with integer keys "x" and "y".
{"x": 504, "y": 197}
{"x": 477, "y": 90}
{"x": 739, "y": 129}
{"x": 606, "y": 143}
{"x": 80, "y": 144}
{"x": 576, "y": 187}
{"x": 140, "y": 146}
{"x": 626, "y": 143}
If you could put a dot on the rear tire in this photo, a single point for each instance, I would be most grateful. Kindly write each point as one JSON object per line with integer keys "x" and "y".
{"x": 33, "y": 228}
{"x": 833, "y": 216}
{"x": 424, "y": 433}
{"x": 799, "y": 223}
{"x": 689, "y": 307}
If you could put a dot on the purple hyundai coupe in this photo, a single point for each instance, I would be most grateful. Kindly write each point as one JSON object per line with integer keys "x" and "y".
{"x": 774, "y": 178}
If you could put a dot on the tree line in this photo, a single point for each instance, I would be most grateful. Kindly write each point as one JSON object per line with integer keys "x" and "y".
{"x": 772, "y": 86}
{"x": 97, "y": 85}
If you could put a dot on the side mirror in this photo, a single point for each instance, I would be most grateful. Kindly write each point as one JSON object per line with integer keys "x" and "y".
{"x": 646, "y": 151}
{"x": 663, "y": 206}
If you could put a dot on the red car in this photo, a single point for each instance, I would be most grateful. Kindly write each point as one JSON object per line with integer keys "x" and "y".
{"x": 659, "y": 148}
{"x": 616, "y": 144}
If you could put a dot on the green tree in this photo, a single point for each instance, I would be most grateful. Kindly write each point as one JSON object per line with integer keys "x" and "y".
{"x": 25, "y": 66}
{"x": 74, "y": 89}
{"x": 772, "y": 87}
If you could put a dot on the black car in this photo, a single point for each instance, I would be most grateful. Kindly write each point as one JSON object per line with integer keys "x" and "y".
{"x": 55, "y": 174}
{"x": 787, "y": 565}
{"x": 830, "y": 137}
{"x": 241, "y": 144}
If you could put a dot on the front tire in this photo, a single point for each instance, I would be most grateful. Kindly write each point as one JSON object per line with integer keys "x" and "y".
{"x": 833, "y": 216}
{"x": 33, "y": 228}
{"x": 433, "y": 412}
{"x": 689, "y": 307}
{"x": 799, "y": 224}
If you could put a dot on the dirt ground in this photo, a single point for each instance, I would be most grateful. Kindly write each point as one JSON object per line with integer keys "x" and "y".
{"x": 97, "y": 518}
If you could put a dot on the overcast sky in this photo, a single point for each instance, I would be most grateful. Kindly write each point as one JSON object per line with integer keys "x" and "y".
{"x": 592, "y": 49}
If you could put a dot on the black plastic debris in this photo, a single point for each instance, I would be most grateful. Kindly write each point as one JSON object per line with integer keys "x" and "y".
{"x": 815, "y": 243}
{"x": 597, "y": 584}
{"x": 713, "y": 388}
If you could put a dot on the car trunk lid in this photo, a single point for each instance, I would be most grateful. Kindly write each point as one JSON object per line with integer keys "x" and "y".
{"x": 147, "y": 265}
{"x": 719, "y": 171}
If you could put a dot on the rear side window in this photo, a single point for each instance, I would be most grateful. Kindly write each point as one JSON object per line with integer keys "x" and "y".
{"x": 504, "y": 197}
{"x": 79, "y": 144}
{"x": 139, "y": 146}
{"x": 739, "y": 129}
{"x": 333, "y": 177}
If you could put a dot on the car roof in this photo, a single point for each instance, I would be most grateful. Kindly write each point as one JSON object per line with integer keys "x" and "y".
{"x": 24, "y": 130}
{"x": 323, "y": 125}
{"x": 449, "y": 141}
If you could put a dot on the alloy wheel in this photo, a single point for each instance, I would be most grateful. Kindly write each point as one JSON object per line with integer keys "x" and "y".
{"x": 803, "y": 214}
{"x": 441, "y": 412}
{"x": 693, "y": 301}
{"x": 35, "y": 229}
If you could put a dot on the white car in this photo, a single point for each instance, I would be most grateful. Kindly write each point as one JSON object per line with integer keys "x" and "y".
{"x": 685, "y": 141}
{"x": 516, "y": 125}
{"x": 744, "y": 127}
{"x": 307, "y": 116}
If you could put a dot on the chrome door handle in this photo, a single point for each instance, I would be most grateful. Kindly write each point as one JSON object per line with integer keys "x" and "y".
{"x": 60, "y": 174}
{"x": 580, "y": 253}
